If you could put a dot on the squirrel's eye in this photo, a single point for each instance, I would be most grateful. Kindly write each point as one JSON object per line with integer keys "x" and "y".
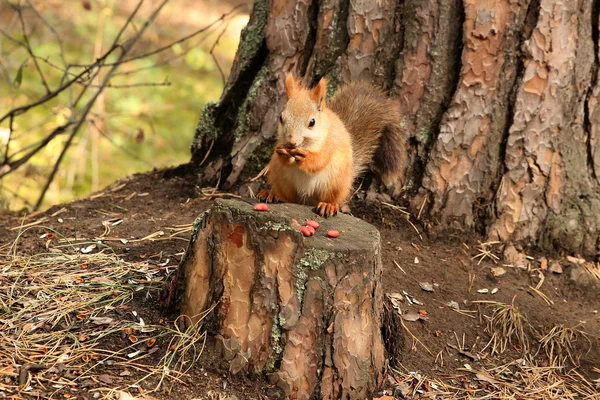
{"x": 311, "y": 123}
{"x": 281, "y": 118}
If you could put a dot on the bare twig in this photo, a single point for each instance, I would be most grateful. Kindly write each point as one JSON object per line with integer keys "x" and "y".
{"x": 125, "y": 50}
{"x": 212, "y": 53}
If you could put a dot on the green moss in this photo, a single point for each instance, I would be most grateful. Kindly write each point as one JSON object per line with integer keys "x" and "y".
{"x": 276, "y": 226}
{"x": 198, "y": 224}
{"x": 276, "y": 343}
{"x": 314, "y": 258}
{"x": 259, "y": 158}
{"x": 243, "y": 119}
{"x": 206, "y": 127}
{"x": 253, "y": 34}
{"x": 300, "y": 283}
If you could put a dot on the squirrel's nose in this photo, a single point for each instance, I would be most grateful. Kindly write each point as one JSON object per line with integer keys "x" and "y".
{"x": 289, "y": 145}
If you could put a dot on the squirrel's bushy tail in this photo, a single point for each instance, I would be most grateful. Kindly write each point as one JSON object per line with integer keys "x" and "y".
{"x": 374, "y": 122}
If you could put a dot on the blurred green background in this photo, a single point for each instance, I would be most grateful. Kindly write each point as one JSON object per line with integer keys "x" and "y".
{"x": 130, "y": 128}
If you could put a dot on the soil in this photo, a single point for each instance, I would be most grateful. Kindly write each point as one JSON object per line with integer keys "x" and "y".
{"x": 152, "y": 202}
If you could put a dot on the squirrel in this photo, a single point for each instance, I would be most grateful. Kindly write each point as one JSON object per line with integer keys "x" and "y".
{"x": 322, "y": 146}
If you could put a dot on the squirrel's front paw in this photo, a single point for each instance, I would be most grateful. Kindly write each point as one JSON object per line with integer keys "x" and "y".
{"x": 267, "y": 197}
{"x": 299, "y": 154}
{"x": 327, "y": 209}
{"x": 284, "y": 153}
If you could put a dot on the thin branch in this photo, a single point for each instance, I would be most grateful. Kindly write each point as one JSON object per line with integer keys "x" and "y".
{"x": 129, "y": 20}
{"x": 126, "y": 48}
{"x": 230, "y": 13}
{"x": 212, "y": 49}
{"x": 9, "y": 167}
{"x": 23, "y": 109}
{"x": 131, "y": 85}
{"x": 53, "y": 30}
{"x": 123, "y": 149}
{"x": 27, "y": 46}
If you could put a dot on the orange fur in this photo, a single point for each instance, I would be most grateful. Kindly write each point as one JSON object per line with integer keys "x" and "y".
{"x": 314, "y": 160}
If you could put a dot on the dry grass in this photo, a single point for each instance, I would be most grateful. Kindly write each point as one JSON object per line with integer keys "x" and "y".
{"x": 558, "y": 344}
{"x": 506, "y": 326}
{"x": 519, "y": 379}
{"x": 67, "y": 317}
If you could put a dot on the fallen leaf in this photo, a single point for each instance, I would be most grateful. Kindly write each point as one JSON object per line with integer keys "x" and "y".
{"x": 88, "y": 249}
{"x": 411, "y": 316}
{"x": 426, "y": 286}
{"x": 543, "y": 263}
{"x": 498, "y": 271}
{"x": 105, "y": 378}
{"x": 395, "y": 299}
{"x": 484, "y": 376}
{"x": 556, "y": 268}
{"x": 101, "y": 320}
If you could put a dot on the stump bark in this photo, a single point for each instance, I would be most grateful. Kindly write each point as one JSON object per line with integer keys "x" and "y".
{"x": 307, "y": 311}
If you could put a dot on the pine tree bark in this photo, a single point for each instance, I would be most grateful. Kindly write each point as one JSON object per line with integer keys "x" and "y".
{"x": 306, "y": 311}
{"x": 501, "y": 101}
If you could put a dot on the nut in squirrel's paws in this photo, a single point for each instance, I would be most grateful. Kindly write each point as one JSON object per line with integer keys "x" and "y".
{"x": 298, "y": 153}
{"x": 267, "y": 197}
{"x": 281, "y": 150}
{"x": 327, "y": 209}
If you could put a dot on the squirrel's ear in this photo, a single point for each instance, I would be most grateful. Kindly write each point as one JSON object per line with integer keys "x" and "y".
{"x": 319, "y": 93}
{"x": 291, "y": 86}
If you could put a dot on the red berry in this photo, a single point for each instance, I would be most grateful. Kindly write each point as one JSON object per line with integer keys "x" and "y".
{"x": 311, "y": 229}
{"x": 313, "y": 224}
{"x": 305, "y": 230}
{"x": 332, "y": 233}
{"x": 261, "y": 207}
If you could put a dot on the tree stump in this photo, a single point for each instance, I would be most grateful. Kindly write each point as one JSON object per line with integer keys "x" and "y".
{"x": 305, "y": 310}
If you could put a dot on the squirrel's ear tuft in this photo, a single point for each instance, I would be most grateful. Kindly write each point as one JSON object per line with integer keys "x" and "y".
{"x": 319, "y": 93}
{"x": 291, "y": 86}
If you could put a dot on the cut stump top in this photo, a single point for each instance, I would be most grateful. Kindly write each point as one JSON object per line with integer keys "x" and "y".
{"x": 355, "y": 234}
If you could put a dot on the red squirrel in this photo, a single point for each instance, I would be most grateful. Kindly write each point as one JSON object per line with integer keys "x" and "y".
{"x": 322, "y": 146}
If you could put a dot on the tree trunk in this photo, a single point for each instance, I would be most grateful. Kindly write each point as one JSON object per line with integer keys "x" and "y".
{"x": 500, "y": 100}
{"x": 306, "y": 310}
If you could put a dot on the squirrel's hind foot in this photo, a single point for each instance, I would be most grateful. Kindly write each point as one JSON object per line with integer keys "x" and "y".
{"x": 327, "y": 209}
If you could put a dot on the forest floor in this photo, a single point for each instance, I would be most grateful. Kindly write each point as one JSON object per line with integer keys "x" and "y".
{"x": 80, "y": 310}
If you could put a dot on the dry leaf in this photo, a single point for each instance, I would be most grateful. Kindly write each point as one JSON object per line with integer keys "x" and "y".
{"x": 101, "y": 320}
{"x": 125, "y": 396}
{"x": 411, "y": 316}
{"x": 426, "y": 286}
{"x": 556, "y": 268}
{"x": 498, "y": 271}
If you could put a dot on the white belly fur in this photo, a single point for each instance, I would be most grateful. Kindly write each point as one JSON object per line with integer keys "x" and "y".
{"x": 310, "y": 186}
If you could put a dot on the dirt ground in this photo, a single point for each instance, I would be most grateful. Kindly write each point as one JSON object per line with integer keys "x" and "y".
{"x": 448, "y": 346}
